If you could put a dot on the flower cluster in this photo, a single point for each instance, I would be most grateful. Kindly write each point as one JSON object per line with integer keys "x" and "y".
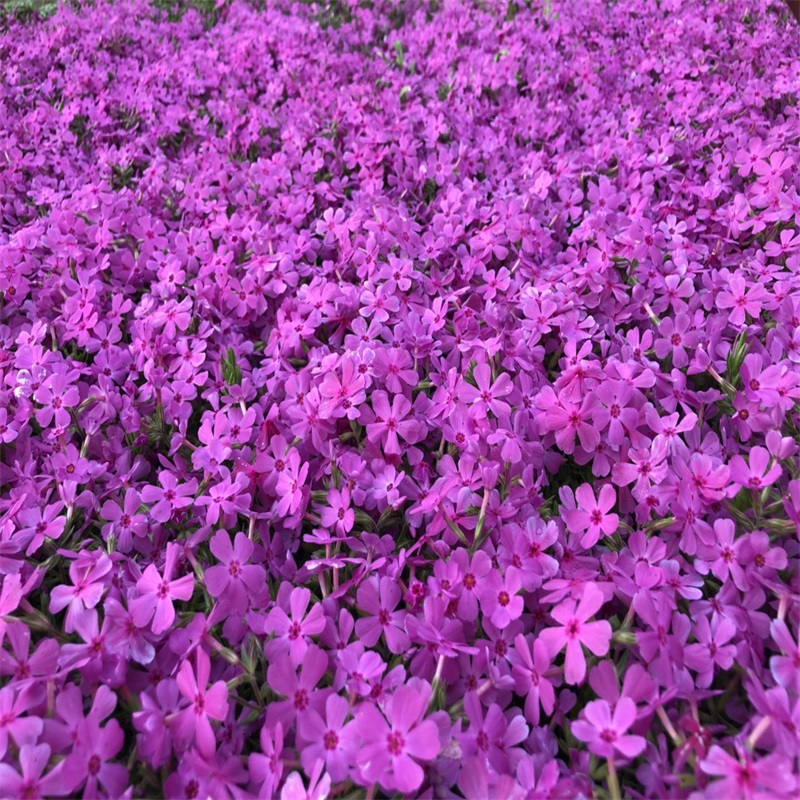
{"x": 400, "y": 398}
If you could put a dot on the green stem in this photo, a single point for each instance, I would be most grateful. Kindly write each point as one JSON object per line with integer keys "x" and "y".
{"x": 613, "y": 780}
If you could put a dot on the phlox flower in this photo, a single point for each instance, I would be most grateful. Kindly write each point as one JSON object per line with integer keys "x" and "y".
{"x": 576, "y": 631}
{"x": 593, "y": 515}
{"x": 395, "y": 741}
{"x": 606, "y": 732}
{"x": 193, "y": 724}
{"x": 158, "y": 592}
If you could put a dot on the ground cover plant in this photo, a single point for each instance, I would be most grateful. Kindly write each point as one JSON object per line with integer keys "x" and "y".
{"x": 400, "y": 399}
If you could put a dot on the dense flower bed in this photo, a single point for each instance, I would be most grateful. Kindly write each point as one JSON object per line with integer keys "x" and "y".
{"x": 400, "y": 398}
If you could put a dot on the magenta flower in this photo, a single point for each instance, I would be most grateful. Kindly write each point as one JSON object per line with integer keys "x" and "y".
{"x": 499, "y": 597}
{"x": 291, "y": 632}
{"x": 592, "y": 515}
{"x": 38, "y": 523}
{"x": 157, "y": 593}
{"x": 169, "y": 497}
{"x": 226, "y": 499}
{"x": 576, "y": 631}
{"x": 319, "y": 784}
{"x": 22, "y": 728}
{"x": 493, "y": 735}
{"x": 193, "y": 724}
{"x": 328, "y": 738}
{"x": 530, "y": 663}
{"x": 759, "y": 473}
{"x": 488, "y": 394}
{"x": 32, "y": 784}
{"x": 342, "y": 397}
{"x": 605, "y": 732}
{"x": 712, "y": 648}
{"x": 297, "y": 689}
{"x": 392, "y": 746}
{"x": 746, "y": 777}
{"x": 391, "y": 423}
{"x": 379, "y": 599}
{"x": 87, "y": 590}
{"x": 722, "y": 556}
{"x": 647, "y": 467}
{"x": 234, "y": 579}
{"x": 88, "y": 765}
{"x": 290, "y": 483}
{"x": 338, "y": 514}
{"x": 126, "y": 521}
{"x": 266, "y": 767}
{"x": 786, "y": 667}
{"x": 570, "y": 421}
{"x": 57, "y": 395}
{"x": 705, "y": 476}
{"x": 741, "y": 299}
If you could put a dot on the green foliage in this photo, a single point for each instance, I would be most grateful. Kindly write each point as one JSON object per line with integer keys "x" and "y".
{"x": 231, "y": 371}
{"x": 25, "y": 10}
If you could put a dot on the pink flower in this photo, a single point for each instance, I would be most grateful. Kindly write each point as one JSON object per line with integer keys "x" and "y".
{"x": 157, "y": 593}
{"x": 529, "y": 666}
{"x": 605, "y": 733}
{"x": 785, "y": 668}
{"x": 31, "y": 783}
{"x": 86, "y": 591}
{"x": 592, "y": 515}
{"x": 193, "y": 723}
{"x": 487, "y": 394}
{"x": 338, "y": 514}
{"x": 747, "y": 779}
{"x": 499, "y": 597}
{"x": 40, "y": 522}
{"x": 576, "y": 631}
{"x": 390, "y": 423}
{"x": 391, "y": 750}
{"x": 290, "y": 484}
{"x": 291, "y": 632}
{"x": 379, "y": 601}
{"x": 741, "y": 299}
{"x": 57, "y": 396}
{"x": 328, "y": 737}
{"x": 760, "y": 472}
{"x": 169, "y": 497}
{"x": 234, "y": 579}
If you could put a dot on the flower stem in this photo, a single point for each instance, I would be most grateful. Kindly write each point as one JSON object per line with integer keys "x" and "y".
{"x": 613, "y": 780}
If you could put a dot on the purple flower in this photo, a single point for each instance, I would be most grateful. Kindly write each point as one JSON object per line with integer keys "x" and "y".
{"x": 328, "y": 737}
{"x": 338, "y": 514}
{"x": 487, "y": 393}
{"x": 291, "y": 630}
{"x": 760, "y": 473}
{"x": 530, "y": 663}
{"x": 391, "y": 423}
{"x": 158, "y": 592}
{"x": 87, "y": 589}
{"x": 494, "y": 736}
{"x": 193, "y": 724}
{"x": 379, "y": 599}
{"x": 605, "y": 731}
{"x": 88, "y": 765}
{"x": 592, "y": 515}
{"x": 169, "y": 497}
{"x": 770, "y": 776}
{"x": 32, "y": 784}
{"x": 394, "y": 744}
{"x": 234, "y": 579}
{"x": 576, "y": 631}
{"x": 499, "y": 597}
{"x": 24, "y": 730}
